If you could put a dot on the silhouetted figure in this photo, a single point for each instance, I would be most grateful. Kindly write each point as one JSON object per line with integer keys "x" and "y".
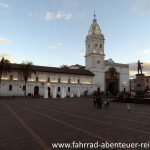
{"x": 140, "y": 68}
{"x": 128, "y": 102}
{"x": 108, "y": 102}
{"x": 99, "y": 100}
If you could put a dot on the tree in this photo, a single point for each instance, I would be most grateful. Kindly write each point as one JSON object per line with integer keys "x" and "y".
{"x": 64, "y": 66}
{"x": 26, "y": 72}
{"x": 4, "y": 68}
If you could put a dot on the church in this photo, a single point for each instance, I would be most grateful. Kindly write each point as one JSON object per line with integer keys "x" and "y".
{"x": 75, "y": 80}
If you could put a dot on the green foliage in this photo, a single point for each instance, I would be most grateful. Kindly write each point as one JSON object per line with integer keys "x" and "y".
{"x": 26, "y": 72}
{"x": 4, "y": 67}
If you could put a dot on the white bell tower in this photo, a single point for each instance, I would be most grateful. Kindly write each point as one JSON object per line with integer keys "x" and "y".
{"x": 94, "y": 56}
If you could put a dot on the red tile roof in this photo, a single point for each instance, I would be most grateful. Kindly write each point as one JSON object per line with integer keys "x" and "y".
{"x": 80, "y": 71}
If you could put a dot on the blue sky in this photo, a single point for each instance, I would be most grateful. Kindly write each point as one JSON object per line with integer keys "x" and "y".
{"x": 53, "y": 32}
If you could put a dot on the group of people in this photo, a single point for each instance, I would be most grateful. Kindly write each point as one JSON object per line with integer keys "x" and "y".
{"x": 99, "y": 101}
{"x": 104, "y": 101}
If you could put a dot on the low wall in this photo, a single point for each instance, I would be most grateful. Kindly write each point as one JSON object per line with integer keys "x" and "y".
{"x": 134, "y": 100}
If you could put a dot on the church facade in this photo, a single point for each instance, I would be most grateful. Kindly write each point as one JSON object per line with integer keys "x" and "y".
{"x": 110, "y": 76}
{"x": 74, "y": 80}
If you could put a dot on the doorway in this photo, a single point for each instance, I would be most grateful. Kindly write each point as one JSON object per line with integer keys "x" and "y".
{"x": 112, "y": 86}
{"x": 112, "y": 81}
{"x": 36, "y": 91}
{"x": 49, "y": 91}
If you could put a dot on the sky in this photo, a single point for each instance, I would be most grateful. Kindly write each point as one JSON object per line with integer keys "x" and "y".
{"x": 53, "y": 32}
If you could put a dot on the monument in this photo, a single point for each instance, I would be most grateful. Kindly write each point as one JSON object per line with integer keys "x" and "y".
{"x": 140, "y": 80}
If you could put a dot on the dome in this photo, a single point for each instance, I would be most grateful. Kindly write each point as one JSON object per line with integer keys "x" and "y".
{"x": 94, "y": 28}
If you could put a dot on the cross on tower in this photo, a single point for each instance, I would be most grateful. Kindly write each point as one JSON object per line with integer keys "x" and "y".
{"x": 94, "y": 15}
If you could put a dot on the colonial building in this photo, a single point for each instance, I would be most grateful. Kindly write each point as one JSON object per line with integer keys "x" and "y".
{"x": 109, "y": 76}
{"x": 74, "y": 80}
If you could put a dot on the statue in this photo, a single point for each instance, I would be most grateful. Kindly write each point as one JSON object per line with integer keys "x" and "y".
{"x": 140, "y": 68}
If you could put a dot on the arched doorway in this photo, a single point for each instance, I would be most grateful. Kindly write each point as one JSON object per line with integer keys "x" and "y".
{"x": 49, "y": 91}
{"x": 36, "y": 91}
{"x": 113, "y": 87}
{"x": 112, "y": 81}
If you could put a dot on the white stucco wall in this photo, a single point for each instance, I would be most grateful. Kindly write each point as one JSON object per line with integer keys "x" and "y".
{"x": 17, "y": 85}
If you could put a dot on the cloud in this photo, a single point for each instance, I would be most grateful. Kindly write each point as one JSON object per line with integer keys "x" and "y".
{"x": 5, "y": 40}
{"x": 59, "y": 15}
{"x": 11, "y": 58}
{"x": 54, "y": 46}
{"x": 64, "y": 15}
{"x": 133, "y": 68}
{"x": 146, "y": 52}
{"x": 49, "y": 16}
{"x": 4, "y": 5}
{"x": 142, "y": 7}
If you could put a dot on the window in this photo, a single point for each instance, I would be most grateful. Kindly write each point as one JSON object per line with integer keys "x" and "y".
{"x": 37, "y": 79}
{"x": 48, "y": 79}
{"x": 11, "y": 77}
{"x": 24, "y": 88}
{"x": 96, "y": 46}
{"x": 68, "y": 89}
{"x": 147, "y": 80}
{"x": 147, "y": 87}
{"x": 100, "y": 46}
{"x": 59, "y": 80}
{"x": 78, "y": 80}
{"x": 10, "y": 87}
{"x": 88, "y": 46}
{"x": 58, "y": 89}
{"x": 69, "y": 80}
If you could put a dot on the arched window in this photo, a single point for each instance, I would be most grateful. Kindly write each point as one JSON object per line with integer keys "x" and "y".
{"x": 59, "y": 80}
{"x": 24, "y": 88}
{"x": 95, "y": 45}
{"x": 11, "y": 77}
{"x": 48, "y": 79}
{"x": 58, "y": 89}
{"x": 78, "y": 80}
{"x": 37, "y": 79}
{"x": 10, "y": 87}
{"x": 68, "y": 89}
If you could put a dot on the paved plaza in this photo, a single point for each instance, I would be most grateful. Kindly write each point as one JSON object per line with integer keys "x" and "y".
{"x": 34, "y": 124}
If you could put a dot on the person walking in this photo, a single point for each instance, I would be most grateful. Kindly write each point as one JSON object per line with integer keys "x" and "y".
{"x": 99, "y": 100}
{"x": 105, "y": 103}
{"x": 108, "y": 101}
{"x": 129, "y": 102}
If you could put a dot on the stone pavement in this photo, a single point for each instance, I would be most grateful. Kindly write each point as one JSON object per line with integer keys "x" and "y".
{"x": 34, "y": 124}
